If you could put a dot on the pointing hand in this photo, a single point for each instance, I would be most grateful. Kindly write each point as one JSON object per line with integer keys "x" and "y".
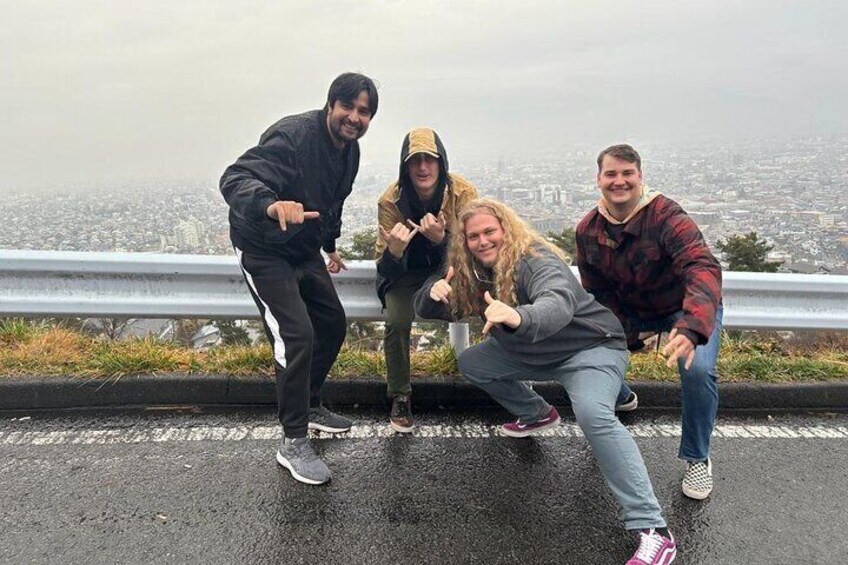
{"x": 289, "y": 212}
{"x": 335, "y": 263}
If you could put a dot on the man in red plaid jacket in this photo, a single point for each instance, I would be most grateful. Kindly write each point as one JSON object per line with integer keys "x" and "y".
{"x": 645, "y": 259}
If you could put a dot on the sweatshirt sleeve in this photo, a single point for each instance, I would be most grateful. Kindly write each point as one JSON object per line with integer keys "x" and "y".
{"x": 550, "y": 287}
{"x": 388, "y": 266}
{"x": 255, "y": 180}
{"x": 426, "y": 307}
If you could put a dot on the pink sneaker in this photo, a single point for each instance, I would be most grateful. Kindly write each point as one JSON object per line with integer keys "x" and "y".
{"x": 519, "y": 429}
{"x": 654, "y": 549}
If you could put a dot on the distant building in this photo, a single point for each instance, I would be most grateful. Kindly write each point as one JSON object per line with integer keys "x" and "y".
{"x": 188, "y": 234}
{"x": 705, "y": 218}
{"x": 544, "y": 224}
{"x": 804, "y": 268}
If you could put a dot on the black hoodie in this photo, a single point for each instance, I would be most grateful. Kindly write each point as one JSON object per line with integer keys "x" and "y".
{"x": 295, "y": 160}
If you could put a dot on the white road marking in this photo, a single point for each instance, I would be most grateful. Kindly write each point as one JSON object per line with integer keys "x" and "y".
{"x": 367, "y": 431}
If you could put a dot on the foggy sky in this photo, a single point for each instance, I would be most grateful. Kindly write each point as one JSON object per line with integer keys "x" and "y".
{"x": 99, "y": 90}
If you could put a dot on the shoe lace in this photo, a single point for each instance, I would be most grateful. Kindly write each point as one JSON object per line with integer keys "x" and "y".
{"x": 649, "y": 545}
{"x": 303, "y": 450}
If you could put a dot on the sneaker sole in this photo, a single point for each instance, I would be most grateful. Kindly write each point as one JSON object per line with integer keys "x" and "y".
{"x": 696, "y": 495}
{"x": 628, "y": 406}
{"x": 401, "y": 429}
{"x": 297, "y": 476}
{"x": 534, "y": 431}
{"x": 328, "y": 429}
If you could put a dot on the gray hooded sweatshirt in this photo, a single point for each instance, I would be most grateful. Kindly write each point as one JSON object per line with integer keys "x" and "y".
{"x": 558, "y": 317}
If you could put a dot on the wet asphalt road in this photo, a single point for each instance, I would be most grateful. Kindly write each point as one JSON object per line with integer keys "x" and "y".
{"x": 203, "y": 487}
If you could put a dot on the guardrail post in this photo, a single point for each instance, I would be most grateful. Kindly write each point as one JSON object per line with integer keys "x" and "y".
{"x": 458, "y": 336}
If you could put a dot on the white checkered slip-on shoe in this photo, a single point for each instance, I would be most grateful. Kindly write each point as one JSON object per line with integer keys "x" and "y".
{"x": 698, "y": 479}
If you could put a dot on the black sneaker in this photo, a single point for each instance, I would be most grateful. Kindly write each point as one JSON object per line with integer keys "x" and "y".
{"x": 400, "y": 418}
{"x": 629, "y": 405}
{"x": 322, "y": 419}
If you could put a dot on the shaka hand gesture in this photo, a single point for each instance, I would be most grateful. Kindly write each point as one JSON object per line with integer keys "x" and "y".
{"x": 441, "y": 289}
{"x": 431, "y": 227}
{"x": 398, "y": 238}
{"x": 498, "y": 313}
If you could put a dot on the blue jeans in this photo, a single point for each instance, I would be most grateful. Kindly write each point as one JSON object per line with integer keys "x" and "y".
{"x": 592, "y": 378}
{"x": 698, "y": 388}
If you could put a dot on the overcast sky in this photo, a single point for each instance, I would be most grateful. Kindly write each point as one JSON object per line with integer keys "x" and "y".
{"x": 121, "y": 89}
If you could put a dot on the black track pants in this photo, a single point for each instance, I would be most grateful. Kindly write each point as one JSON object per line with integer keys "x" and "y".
{"x": 305, "y": 323}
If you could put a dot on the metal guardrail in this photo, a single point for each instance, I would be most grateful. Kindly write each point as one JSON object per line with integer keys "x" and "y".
{"x": 139, "y": 285}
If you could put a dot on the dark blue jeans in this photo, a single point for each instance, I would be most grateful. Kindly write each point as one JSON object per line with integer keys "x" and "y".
{"x": 699, "y": 388}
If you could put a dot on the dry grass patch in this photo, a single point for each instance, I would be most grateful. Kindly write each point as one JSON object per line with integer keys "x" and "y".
{"x": 46, "y": 351}
{"x": 239, "y": 361}
{"x": 439, "y": 362}
{"x": 116, "y": 359}
{"x": 40, "y": 349}
{"x": 355, "y": 362}
{"x": 650, "y": 366}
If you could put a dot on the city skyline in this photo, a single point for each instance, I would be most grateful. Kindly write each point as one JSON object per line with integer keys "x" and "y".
{"x": 788, "y": 193}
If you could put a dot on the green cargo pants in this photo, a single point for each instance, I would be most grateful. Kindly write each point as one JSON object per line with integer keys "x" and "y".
{"x": 399, "y": 316}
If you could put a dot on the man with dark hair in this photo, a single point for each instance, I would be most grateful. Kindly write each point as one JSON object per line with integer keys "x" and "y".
{"x": 645, "y": 259}
{"x": 285, "y": 197}
{"x": 416, "y": 214}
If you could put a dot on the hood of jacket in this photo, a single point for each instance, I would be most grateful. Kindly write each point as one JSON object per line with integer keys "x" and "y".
{"x": 422, "y": 140}
{"x": 648, "y": 194}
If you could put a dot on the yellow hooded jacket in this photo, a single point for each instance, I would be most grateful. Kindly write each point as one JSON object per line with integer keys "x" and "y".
{"x": 392, "y": 208}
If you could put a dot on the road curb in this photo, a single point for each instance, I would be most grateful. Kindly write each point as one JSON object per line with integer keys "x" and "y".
{"x": 44, "y": 393}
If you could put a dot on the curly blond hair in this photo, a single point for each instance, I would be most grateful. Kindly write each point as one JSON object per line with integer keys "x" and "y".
{"x": 519, "y": 240}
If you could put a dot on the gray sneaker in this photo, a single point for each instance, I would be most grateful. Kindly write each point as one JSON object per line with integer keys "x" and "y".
{"x": 296, "y": 455}
{"x": 322, "y": 419}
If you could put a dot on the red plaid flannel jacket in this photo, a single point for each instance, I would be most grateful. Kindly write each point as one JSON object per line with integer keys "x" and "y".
{"x": 658, "y": 264}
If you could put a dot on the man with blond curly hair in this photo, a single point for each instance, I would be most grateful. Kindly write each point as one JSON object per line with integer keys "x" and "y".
{"x": 541, "y": 325}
